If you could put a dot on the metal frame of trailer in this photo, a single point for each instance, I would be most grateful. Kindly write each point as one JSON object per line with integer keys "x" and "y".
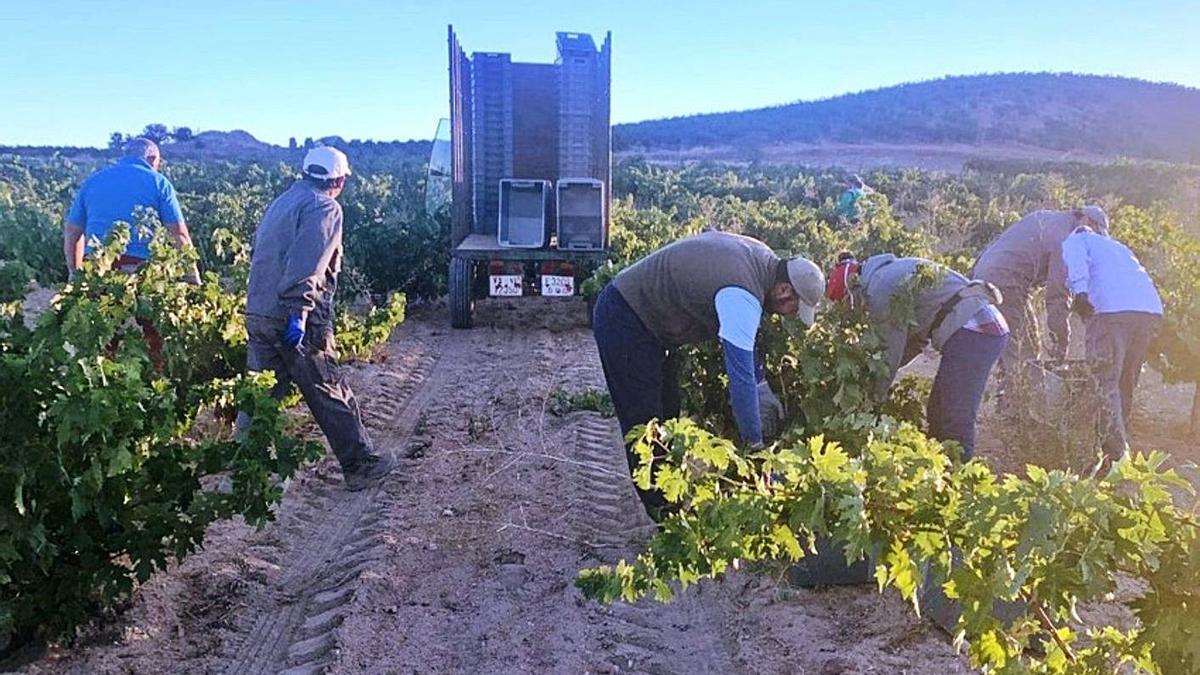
{"x": 535, "y": 121}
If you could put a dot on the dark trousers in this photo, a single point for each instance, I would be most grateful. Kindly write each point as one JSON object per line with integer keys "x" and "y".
{"x": 313, "y": 368}
{"x": 1117, "y": 344}
{"x": 642, "y": 375}
{"x": 967, "y": 361}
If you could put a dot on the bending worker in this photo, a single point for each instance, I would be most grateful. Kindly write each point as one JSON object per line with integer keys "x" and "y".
{"x": 1116, "y": 298}
{"x": 289, "y": 310}
{"x": 956, "y": 315}
{"x": 707, "y": 286}
{"x": 1027, "y": 256}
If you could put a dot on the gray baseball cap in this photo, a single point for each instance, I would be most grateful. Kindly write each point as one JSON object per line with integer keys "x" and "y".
{"x": 1098, "y": 216}
{"x": 809, "y": 283}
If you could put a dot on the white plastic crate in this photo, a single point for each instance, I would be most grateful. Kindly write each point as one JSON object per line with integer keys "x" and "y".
{"x": 524, "y": 211}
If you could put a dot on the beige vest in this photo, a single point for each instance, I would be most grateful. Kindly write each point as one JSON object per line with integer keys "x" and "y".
{"x": 673, "y": 290}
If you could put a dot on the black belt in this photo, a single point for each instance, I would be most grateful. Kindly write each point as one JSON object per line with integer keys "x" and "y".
{"x": 990, "y": 295}
{"x": 944, "y": 312}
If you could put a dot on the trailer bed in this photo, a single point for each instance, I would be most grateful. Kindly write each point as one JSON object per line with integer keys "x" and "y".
{"x": 485, "y": 247}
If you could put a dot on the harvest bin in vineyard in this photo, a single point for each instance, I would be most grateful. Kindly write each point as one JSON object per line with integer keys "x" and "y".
{"x": 524, "y": 213}
{"x": 530, "y": 170}
{"x": 580, "y": 206}
{"x": 827, "y": 566}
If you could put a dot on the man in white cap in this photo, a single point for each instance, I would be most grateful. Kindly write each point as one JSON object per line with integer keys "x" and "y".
{"x": 713, "y": 285}
{"x": 1025, "y": 257}
{"x": 289, "y": 310}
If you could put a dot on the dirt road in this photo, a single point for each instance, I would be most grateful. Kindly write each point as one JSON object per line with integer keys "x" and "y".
{"x": 465, "y": 561}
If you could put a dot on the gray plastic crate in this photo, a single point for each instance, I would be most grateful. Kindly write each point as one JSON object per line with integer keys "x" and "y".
{"x": 524, "y": 213}
{"x": 575, "y": 140}
{"x": 579, "y": 205}
{"x": 827, "y": 567}
{"x": 491, "y": 134}
{"x": 945, "y": 612}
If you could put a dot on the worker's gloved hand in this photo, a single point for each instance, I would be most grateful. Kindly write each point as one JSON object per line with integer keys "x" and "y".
{"x": 293, "y": 334}
{"x": 770, "y": 411}
{"x": 1082, "y": 305}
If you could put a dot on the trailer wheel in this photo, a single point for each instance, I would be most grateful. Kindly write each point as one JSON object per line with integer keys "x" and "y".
{"x": 461, "y": 302}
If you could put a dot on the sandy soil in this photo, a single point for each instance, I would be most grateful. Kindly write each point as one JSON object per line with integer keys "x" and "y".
{"x": 464, "y": 561}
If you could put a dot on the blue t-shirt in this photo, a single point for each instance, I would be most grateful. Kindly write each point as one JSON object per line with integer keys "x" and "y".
{"x": 112, "y": 194}
{"x": 848, "y": 206}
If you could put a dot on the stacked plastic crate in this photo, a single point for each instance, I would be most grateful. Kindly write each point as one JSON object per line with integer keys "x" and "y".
{"x": 491, "y": 134}
{"x": 577, "y": 67}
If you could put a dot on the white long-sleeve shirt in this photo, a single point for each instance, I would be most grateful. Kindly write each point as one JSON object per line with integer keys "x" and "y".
{"x": 1109, "y": 273}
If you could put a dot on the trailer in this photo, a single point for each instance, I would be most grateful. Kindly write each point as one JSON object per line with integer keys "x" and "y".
{"x": 530, "y": 171}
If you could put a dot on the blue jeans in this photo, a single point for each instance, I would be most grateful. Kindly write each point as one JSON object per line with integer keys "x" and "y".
{"x": 642, "y": 374}
{"x": 967, "y": 361}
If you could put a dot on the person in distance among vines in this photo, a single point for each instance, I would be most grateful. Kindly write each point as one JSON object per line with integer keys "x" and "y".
{"x": 849, "y": 204}
{"x": 713, "y": 285}
{"x": 917, "y": 302}
{"x": 1116, "y": 298}
{"x": 1025, "y": 257}
{"x": 114, "y": 194}
{"x": 289, "y": 310}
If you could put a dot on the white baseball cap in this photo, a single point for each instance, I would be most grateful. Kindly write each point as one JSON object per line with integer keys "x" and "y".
{"x": 326, "y": 162}
{"x": 809, "y": 282}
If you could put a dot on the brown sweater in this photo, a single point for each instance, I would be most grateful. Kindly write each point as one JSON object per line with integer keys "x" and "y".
{"x": 1028, "y": 255}
{"x": 673, "y": 290}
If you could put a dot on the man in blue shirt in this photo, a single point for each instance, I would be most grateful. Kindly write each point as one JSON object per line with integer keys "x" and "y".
{"x": 1115, "y": 296}
{"x": 113, "y": 194}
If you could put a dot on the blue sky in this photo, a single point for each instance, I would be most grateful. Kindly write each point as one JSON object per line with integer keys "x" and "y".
{"x": 72, "y": 71}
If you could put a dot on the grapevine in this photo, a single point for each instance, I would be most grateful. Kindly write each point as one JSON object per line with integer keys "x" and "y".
{"x": 102, "y": 480}
{"x": 1047, "y": 541}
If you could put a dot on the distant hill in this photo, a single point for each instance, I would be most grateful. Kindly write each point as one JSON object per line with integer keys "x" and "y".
{"x": 238, "y": 145}
{"x": 1029, "y": 114}
{"x": 226, "y": 145}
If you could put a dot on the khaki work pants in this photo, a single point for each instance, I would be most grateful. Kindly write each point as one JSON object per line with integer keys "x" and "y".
{"x": 1117, "y": 344}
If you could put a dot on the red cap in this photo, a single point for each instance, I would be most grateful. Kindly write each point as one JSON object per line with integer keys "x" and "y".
{"x": 838, "y": 284}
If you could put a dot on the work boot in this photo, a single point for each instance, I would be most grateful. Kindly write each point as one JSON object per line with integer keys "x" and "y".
{"x": 368, "y": 472}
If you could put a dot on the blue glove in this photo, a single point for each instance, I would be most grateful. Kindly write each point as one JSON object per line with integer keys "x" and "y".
{"x": 293, "y": 335}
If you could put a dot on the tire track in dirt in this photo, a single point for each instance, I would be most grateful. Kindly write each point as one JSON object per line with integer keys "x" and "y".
{"x": 339, "y": 538}
{"x": 600, "y": 513}
{"x": 685, "y": 636}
